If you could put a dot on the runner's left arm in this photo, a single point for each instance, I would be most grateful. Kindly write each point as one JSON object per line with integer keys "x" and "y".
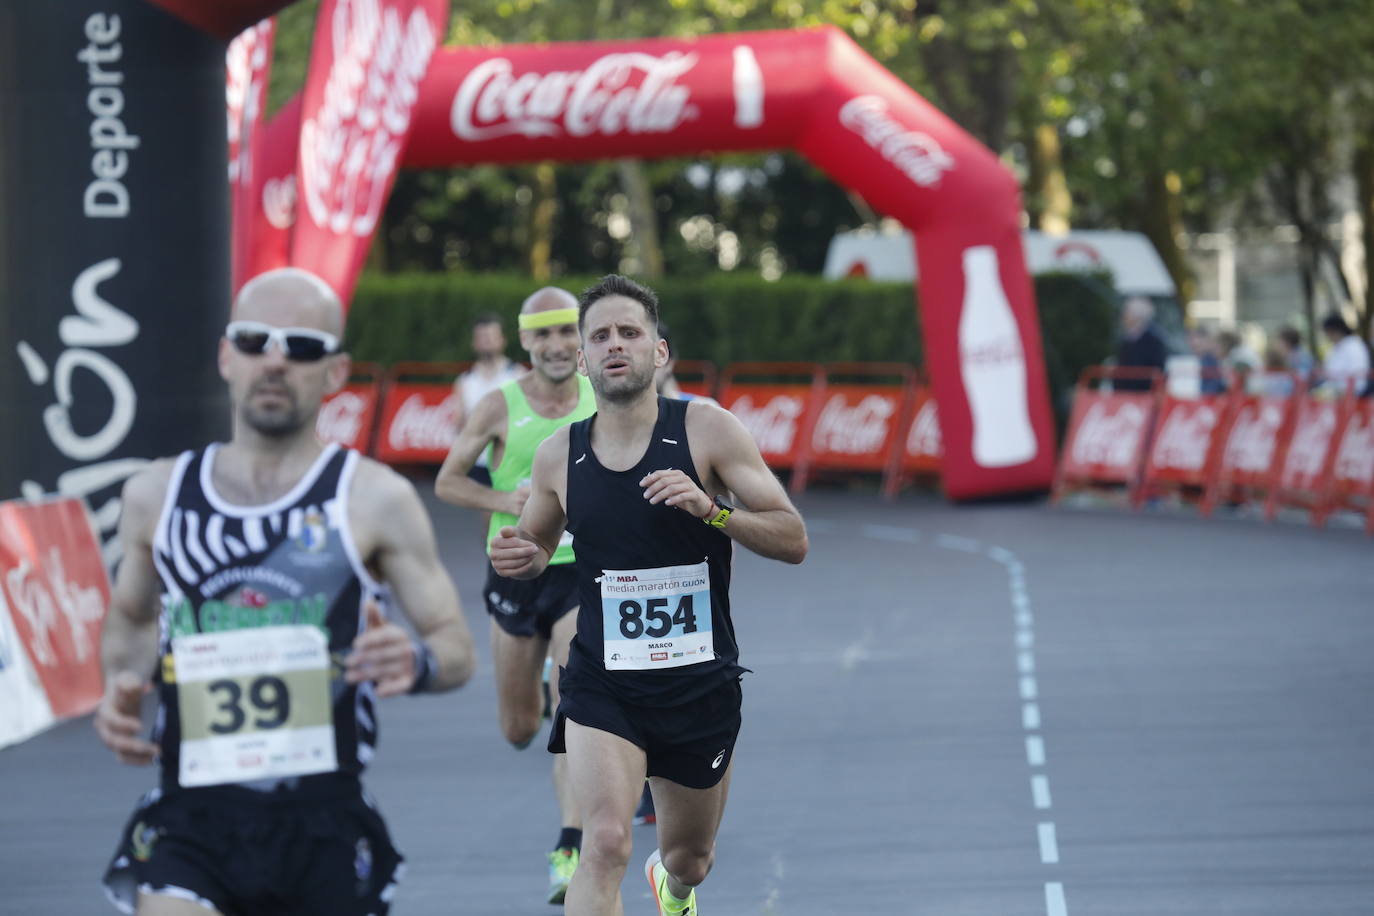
{"x": 407, "y": 558}
{"x": 764, "y": 519}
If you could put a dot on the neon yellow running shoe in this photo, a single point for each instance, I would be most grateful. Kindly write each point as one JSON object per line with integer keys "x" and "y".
{"x": 668, "y": 905}
{"x": 562, "y": 864}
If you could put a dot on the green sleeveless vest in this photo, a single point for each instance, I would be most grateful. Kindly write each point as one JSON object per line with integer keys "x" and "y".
{"x": 525, "y": 429}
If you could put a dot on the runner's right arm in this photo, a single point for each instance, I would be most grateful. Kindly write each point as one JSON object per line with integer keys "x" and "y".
{"x": 523, "y": 551}
{"x": 128, "y": 641}
{"x": 453, "y": 485}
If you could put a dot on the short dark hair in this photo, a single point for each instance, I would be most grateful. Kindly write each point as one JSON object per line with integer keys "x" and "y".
{"x": 1334, "y": 322}
{"x": 1291, "y": 336}
{"x": 487, "y": 318}
{"x": 616, "y": 285}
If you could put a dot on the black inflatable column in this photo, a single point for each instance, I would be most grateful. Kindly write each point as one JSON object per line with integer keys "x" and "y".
{"x": 114, "y": 253}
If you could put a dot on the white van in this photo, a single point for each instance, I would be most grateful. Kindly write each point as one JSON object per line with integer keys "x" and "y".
{"x": 1136, "y": 268}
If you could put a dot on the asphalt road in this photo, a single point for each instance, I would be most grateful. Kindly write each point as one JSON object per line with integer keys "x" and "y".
{"x": 1000, "y": 710}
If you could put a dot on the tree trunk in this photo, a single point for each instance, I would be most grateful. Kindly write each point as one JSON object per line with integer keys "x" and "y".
{"x": 1164, "y": 225}
{"x": 1047, "y": 193}
{"x": 1364, "y": 206}
{"x": 643, "y": 245}
{"x": 542, "y": 213}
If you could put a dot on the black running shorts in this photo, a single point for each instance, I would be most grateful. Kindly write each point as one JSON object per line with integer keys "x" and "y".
{"x": 322, "y": 852}
{"x": 525, "y": 607}
{"x": 691, "y": 744}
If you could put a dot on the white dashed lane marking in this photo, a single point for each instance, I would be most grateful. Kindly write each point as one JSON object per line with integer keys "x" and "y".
{"x": 1029, "y": 689}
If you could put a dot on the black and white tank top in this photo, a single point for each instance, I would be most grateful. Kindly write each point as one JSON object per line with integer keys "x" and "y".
{"x": 260, "y": 606}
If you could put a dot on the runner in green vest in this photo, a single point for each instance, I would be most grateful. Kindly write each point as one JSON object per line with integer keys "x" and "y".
{"x": 530, "y": 620}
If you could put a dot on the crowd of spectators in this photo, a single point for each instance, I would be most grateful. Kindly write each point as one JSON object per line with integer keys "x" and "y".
{"x": 1223, "y": 359}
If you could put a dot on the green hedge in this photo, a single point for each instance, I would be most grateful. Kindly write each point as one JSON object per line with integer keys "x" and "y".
{"x": 726, "y": 318}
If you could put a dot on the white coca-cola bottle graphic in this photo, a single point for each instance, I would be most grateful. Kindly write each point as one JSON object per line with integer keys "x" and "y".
{"x": 748, "y": 84}
{"x": 993, "y": 364}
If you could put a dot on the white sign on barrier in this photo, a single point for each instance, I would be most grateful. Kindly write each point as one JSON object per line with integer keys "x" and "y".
{"x": 24, "y": 707}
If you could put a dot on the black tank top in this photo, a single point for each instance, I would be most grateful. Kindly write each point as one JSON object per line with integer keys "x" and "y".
{"x": 226, "y": 568}
{"x": 652, "y": 623}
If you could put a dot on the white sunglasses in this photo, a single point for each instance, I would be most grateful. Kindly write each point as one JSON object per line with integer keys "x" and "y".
{"x": 302, "y": 345}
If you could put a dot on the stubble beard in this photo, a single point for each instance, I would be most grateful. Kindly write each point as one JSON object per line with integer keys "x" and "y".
{"x": 625, "y": 389}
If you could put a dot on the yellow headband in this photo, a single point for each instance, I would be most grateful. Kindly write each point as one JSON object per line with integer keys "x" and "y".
{"x": 548, "y": 318}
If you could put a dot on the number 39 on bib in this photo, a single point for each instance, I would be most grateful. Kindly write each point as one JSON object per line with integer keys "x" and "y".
{"x": 656, "y": 618}
{"x": 255, "y": 704}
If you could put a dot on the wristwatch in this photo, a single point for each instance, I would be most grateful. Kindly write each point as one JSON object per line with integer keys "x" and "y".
{"x": 719, "y": 515}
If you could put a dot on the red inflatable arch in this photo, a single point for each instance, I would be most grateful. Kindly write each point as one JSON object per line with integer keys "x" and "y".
{"x": 817, "y": 92}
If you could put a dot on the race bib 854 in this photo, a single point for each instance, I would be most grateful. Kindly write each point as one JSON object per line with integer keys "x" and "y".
{"x": 656, "y": 618}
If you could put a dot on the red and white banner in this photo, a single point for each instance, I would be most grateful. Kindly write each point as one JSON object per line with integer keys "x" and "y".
{"x": 366, "y": 64}
{"x": 924, "y": 448}
{"x": 248, "y": 64}
{"x": 1351, "y": 484}
{"x": 1186, "y": 440}
{"x": 1106, "y": 439}
{"x": 419, "y": 421}
{"x": 1250, "y": 443}
{"x": 53, "y": 596}
{"x": 775, "y": 416}
{"x": 857, "y": 427}
{"x": 1302, "y": 474}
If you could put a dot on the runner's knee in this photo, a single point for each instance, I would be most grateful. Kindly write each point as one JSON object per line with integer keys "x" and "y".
{"x": 520, "y": 730}
{"x": 607, "y": 841}
{"x": 689, "y": 866}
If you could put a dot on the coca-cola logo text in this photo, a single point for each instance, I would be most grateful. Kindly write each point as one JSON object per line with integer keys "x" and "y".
{"x": 916, "y": 154}
{"x": 773, "y": 425}
{"x": 341, "y": 418}
{"x": 860, "y": 429}
{"x": 602, "y": 99}
{"x": 47, "y": 602}
{"x": 1254, "y": 436}
{"x": 350, "y": 144}
{"x": 1308, "y": 448}
{"x": 1355, "y": 459}
{"x": 279, "y": 201}
{"x": 1109, "y": 438}
{"x": 1185, "y": 438}
{"x": 418, "y": 425}
{"x": 246, "y": 80}
{"x": 925, "y": 439}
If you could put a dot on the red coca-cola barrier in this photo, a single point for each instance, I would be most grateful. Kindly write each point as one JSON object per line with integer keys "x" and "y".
{"x": 349, "y": 416}
{"x": 419, "y": 413}
{"x": 1350, "y": 480}
{"x": 696, "y": 376}
{"x": 1108, "y": 433}
{"x": 1186, "y": 445}
{"x": 858, "y": 426}
{"x": 1252, "y": 439}
{"x": 921, "y": 451}
{"x": 1304, "y": 463}
{"x": 778, "y": 414}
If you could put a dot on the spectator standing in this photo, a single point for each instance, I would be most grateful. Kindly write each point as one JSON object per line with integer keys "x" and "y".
{"x": 1141, "y": 345}
{"x": 1347, "y": 362}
